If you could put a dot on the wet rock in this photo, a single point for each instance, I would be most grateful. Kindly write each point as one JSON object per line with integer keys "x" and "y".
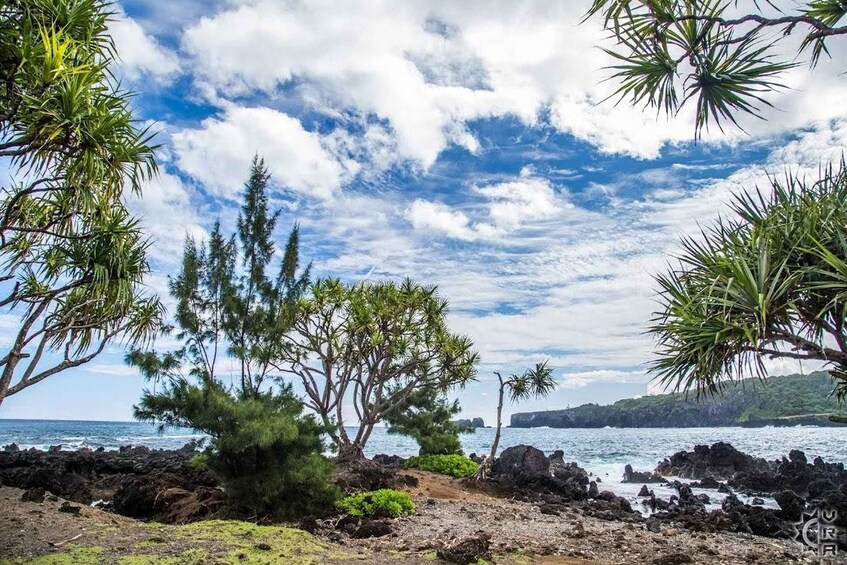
{"x": 525, "y": 470}
{"x": 724, "y": 489}
{"x": 757, "y": 501}
{"x": 709, "y": 483}
{"x": 522, "y": 462}
{"x": 791, "y": 505}
{"x": 645, "y": 491}
{"x": 606, "y": 495}
{"x": 721, "y": 461}
{"x": 365, "y": 475}
{"x": 84, "y": 476}
{"x": 466, "y": 551}
{"x": 632, "y": 476}
{"x": 54, "y": 448}
{"x": 593, "y": 491}
{"x": 394, "y": 461}
{"x": 11, "y": 448}
{"x": 821, "y": 486}
{"x": 755, "y": 475}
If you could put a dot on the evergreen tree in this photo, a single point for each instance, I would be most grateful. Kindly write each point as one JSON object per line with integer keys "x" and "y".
{"x": 267, "y": 454}
{"x": 427, "y": 416}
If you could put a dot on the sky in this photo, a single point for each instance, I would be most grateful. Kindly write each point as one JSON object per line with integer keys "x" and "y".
{"x": 465, "y": 144}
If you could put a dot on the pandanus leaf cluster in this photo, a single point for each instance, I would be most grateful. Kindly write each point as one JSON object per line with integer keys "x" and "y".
{"x": 366, "y": 348}
{"x": 769, "y": 282}
{"x": 72, "y": 258}
{"x": 671, "y": 52}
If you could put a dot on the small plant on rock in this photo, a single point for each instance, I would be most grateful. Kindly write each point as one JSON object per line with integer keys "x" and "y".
{"x": 454, "y": 465}
{"x": 383, "y": 503}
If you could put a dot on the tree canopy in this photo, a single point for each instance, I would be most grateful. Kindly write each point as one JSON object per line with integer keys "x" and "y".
{"x": 368, "y": 347}
{"x": 72, "y": 258}
{"x": 772, "y": 283}
{"x": 427, "y": 416}
{"x": 671, "y": 52}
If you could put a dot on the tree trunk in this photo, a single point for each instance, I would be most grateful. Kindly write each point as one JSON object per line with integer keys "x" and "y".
{"x": 348, "y": 452}
{"x": 485, "y": 467}
{"x": 496, "y": 443}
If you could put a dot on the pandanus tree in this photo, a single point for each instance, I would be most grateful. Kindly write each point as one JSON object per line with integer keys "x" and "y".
{"x": 711, "y": 52}
{"x": 537, "y": 382}
{"x": 768, "y": 283}
{"x": 362, "y": 350}
{"x": 72, "y": 259}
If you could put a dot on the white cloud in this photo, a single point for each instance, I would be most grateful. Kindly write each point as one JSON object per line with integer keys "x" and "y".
{"x": 218, "y": 154}
{"x": 509, "y": 206}
{"x": 141, "y": 56}
{"x": 583, "y": 379}
{"x": 440, "y": 218}
{"x": 430, "y": 69}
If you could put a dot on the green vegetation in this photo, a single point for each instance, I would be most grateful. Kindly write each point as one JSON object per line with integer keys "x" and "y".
{"x": 383, "y": 503}
{"x": 376, "y": 344}
{"x": 265, "y": 451}
{"x": 73, "y": 556}
{"x": 72, "y": 259}
{"x": 427, "y": 416}
{"x": 454, "y": 465}
{"x": 772, "y": 281}
{"x": 537, "y": 382}
{"x": 790, "y": 400}
{"x": 670, "y": 52}
{"x": 771, "y": 284}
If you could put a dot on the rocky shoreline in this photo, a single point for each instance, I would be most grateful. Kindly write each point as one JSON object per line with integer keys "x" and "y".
{"x": 538, "y": 492}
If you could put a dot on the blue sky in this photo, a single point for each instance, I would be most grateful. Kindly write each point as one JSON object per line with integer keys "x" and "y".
{"x": 464, "y": 144}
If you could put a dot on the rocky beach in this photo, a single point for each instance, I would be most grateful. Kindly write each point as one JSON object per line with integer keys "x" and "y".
{"x": 535, "y": 507}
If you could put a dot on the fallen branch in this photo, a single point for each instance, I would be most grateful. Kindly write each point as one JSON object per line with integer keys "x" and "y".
{"x": 61, "y": 543}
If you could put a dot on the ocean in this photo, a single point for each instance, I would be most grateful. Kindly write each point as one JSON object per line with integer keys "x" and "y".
{"x": 603, "y": 452}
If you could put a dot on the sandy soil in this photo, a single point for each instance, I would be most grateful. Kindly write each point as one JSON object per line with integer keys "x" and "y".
{"x": 447, "y": 510}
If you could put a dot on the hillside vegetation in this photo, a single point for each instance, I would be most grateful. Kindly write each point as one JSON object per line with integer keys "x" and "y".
{"x": 789, "y": 400}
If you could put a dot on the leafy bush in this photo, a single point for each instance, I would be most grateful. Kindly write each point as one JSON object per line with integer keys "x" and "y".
{"x": 453, "y": 465}
{"x": 267, "y": 454}
{"x": 427, "y": 416}
{"x": 384, "y": 503}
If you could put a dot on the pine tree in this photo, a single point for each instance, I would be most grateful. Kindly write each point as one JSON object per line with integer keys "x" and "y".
{"x": 427, "y": 416}
{"x": 268, "y": 455}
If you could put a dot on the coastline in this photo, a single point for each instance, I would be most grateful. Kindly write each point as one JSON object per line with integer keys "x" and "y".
{"x": 522, "y": 516}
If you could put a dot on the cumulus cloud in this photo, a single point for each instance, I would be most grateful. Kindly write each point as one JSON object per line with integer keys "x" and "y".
{"x": 429, "y": 70}
{"x": 140, "y": 55}
{"x": 508, "y": 205}
{"x": 218, "y": 153}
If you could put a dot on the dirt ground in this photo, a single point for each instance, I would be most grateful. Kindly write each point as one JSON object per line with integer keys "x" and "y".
{"x": 447, "y": 510}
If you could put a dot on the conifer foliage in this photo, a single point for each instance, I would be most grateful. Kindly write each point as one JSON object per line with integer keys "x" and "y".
{"x": 427, "y": 416}
{"x": 231, "y": 311}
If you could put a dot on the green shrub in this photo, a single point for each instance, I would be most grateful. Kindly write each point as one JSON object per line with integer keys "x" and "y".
{"x": 427, "y": 416}
{"x": 453, "y": 465}
{"x": 384, "y": 503}
{"x": 265, "y": 452}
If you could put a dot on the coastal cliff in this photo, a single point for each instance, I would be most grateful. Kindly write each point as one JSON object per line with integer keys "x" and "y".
{"x": 780, "y": 401}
